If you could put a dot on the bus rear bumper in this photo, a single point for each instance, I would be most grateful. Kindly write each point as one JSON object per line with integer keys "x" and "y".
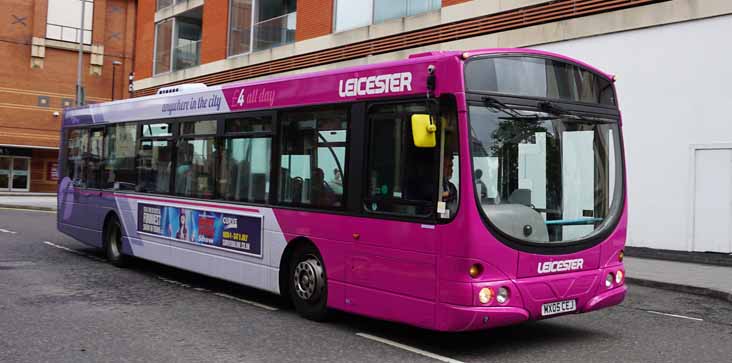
{"x": 465, "y": 318}
{"x": 606, "y": 299}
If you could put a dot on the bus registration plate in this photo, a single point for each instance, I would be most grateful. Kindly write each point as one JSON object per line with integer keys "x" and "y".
{"x": 558, "y": 307}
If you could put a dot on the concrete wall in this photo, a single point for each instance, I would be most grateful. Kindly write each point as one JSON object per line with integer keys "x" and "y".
{"x": 674, "y": 88}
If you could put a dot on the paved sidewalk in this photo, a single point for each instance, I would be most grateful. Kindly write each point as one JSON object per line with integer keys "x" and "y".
{"x": 29, "y": 202}
{"x": 681, "y": 276}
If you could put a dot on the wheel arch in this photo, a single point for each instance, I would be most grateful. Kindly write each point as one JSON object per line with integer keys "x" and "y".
{"x": 111, "y": 215}
{"x": 287, "y": 254}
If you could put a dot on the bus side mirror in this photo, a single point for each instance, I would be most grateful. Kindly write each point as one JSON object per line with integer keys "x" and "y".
{"x": 423, "y": 131}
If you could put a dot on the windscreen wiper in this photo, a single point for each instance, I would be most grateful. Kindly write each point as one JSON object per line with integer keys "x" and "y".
{"x": 497, "y": 105}
{"x": 514, "y": 114}
{"x": 550, "y": 108}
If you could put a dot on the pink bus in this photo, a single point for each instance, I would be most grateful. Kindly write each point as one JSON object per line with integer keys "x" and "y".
{"x": 452, "y": 190}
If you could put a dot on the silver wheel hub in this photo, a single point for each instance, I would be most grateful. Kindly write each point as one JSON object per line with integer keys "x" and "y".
{"x": 308, "y": 277}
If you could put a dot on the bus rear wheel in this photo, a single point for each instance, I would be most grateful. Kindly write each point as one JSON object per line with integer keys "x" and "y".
{"x": 113, "y": 244}
{"x": 308, "y": 284}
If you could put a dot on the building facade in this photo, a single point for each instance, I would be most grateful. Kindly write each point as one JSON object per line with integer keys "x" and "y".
{"x": 39, "y": 48}
{"x": 672, "y": 66}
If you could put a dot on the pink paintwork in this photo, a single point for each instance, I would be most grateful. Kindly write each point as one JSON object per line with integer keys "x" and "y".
{"x": 405, "y": 272}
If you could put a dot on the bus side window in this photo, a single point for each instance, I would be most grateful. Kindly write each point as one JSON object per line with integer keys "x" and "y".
{"x": 120, "y": 142}
{"x": 246, "y": 150}
{"x": 154, "y": 159}
{"x": 401, "y": 177}
{"x": 313, "y": 157}
{"x": 76, "y": 147}
{"x": 93, "y": 158}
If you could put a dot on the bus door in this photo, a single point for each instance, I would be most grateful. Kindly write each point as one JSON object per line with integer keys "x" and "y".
{"x": 70, "y": 209}
{"x": 393, "y": 260}
{"x": 91, "y": 196}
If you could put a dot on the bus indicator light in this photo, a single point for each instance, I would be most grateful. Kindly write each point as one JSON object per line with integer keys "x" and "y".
{"x": 621, "y": 255}
{"x": 475, "y": 270}
{"x": 486, "y": 295}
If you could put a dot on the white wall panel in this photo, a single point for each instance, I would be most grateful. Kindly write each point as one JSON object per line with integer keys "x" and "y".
{"x": 674, "y": 85}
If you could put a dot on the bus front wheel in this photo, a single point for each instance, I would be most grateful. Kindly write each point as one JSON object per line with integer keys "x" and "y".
{"x": 113, "y": 244}
{"x": 308, "y": 284}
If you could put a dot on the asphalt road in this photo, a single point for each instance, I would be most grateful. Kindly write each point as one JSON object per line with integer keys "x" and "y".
{"x": 59, "y": 301}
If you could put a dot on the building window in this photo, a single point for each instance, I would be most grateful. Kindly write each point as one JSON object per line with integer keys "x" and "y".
{"x": 64, "y": 20}
{"x": 261, "y": 24}
{"x": 178, "y": 41}
{"x": 352, "y": 14}
{"x": 163, "y": 44}
{"x": 162, "y": 4}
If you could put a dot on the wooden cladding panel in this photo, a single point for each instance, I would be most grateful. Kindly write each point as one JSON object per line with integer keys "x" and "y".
{"x": 493, "y": 23}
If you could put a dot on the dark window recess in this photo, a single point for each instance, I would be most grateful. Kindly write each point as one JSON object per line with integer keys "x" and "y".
{"x": 313, "y": 157}
{"x": 207, "y": 127}
{"x": 120, "y": 147}
{"x": 248, "y": 124}
{"x": 538, "y": 77}
{"x": 401, "y": 178}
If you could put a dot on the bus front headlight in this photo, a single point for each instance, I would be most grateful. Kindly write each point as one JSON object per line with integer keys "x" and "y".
{"x": 486, "y": 295}
{"x": 609, "y": 280}
{"x": 502, "y": 296}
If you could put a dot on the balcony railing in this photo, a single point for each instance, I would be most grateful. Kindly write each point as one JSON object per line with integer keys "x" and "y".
{"x": 274, "y": 32}
{"x": 187, "y": 55}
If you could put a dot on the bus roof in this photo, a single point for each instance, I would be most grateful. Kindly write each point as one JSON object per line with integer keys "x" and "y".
{"x": 394, "y": 78}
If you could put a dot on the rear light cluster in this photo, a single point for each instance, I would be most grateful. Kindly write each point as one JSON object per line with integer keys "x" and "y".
{"x": 488, "y": 294}
{"x": 614, "y": 279}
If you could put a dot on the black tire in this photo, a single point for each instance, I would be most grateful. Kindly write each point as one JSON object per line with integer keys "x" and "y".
{"x": 113, "y": 244}
{"x": 310, "y": 296}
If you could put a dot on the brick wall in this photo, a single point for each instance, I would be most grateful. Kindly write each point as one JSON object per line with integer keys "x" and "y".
{"x": 144, "y": 39}
{"x": 30, "y": 96}
{"x": 314, "y": 18}
{"x": 215, "y": 23}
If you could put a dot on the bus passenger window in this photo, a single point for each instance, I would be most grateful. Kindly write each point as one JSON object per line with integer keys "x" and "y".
{"x": 313, "y": 156}
{"x": 155, "y": 159}
{"x": 401, "y": 177}
{"x": 195, "y": 168}
{"x": 119, "y": 161}
{"x": 93, "y": 159}
{"x": 246, "y": 159}
{"x": 76, "y": 145}
{"x": 245, "y": 166}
